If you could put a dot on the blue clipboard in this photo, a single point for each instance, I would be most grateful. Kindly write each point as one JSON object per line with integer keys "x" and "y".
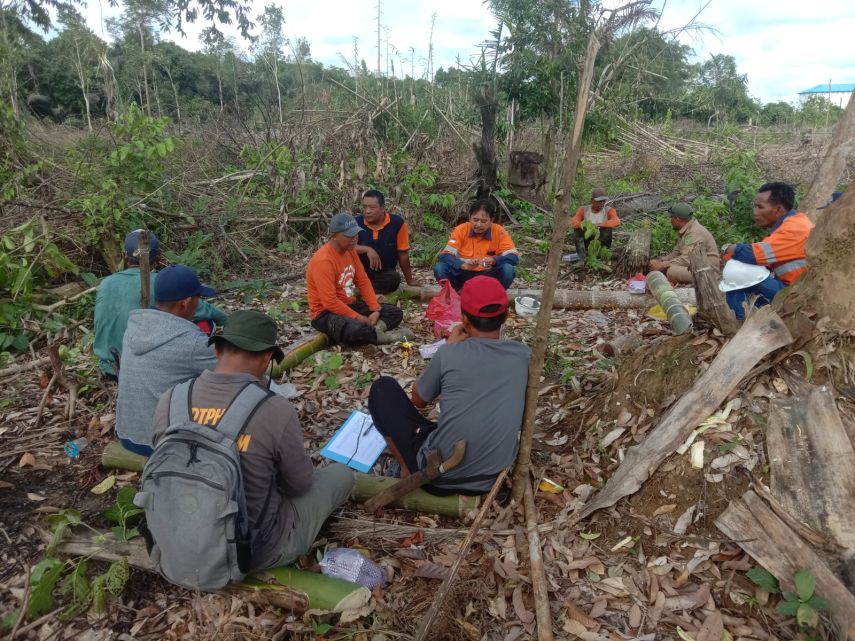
{"x": 357, "y": 443}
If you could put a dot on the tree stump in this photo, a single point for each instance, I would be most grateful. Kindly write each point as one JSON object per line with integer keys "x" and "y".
{"x": 637, "y": 253}
{"x": 712, "y": 306}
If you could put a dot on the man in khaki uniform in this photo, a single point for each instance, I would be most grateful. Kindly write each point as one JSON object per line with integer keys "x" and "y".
{"x": 675, "y": 265}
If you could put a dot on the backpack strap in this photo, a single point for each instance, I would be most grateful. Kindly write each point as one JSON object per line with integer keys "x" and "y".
{"x": 179, "y": 403}
{"x": 242, "y": 409}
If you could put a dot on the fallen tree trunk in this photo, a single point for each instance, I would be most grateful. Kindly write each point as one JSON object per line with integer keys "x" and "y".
{"x": 712, "y": 305}
{"x": 457, "y": 505}
{"x": 759, "y": 531}
{"x": 636, "y": 256}
{"x": 812, "y": 465}
{"x": 676, "y": 312}
{"x": 573, "y": 298}
{"x": 299, "y": 351}
{"x": 762, "y": 333}
{"x": 284, "y": 587}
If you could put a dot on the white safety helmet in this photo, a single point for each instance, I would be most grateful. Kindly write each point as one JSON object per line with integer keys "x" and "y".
{"x": 739, "y": 275}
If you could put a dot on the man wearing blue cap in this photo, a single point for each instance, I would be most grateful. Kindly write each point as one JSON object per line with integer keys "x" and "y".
{"x": 161, "y": 348}
{"x": 119, "y": 293}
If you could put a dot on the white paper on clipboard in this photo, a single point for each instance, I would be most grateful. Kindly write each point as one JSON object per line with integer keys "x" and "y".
{"x": 357, "y": 443}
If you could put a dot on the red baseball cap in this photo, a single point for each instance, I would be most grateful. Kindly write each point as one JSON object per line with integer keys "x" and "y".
{"x": 481, "y": 292}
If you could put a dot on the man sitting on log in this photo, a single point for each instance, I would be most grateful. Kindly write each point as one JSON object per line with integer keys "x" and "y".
{"x": 782, "y": 251}
{"x": 333, "y": 276}
{"x": 481, "y": 381}
{"x": 384, "y": 243}
{"x": 603, "y": 218}
{"x": 162, "y": 347}
{"x": 675, "y": 265}
{"x": 287, "y": 500}
{"x": 119, "y": 293}
{"x": 478, "y": 248}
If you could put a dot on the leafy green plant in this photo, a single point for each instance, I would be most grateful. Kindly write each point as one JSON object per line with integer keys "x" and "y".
{"x": 124, "y": 514}
{"x": 328, "y": 364}
{"x": 804, "y": 603}
{"x": 197, "y": 254}
{"x": 364, "y": 380}
{"x": 597, "y": 256}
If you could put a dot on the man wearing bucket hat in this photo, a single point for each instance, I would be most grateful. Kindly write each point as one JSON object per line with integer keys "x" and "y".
{"x": 287, "y": 500}
{"x": 161, "y": 347}
{"x": 782, "y": 251}
{"x": 605, "y": 219}
{"x": 119, "y": 293}
{"x": 481, "y": 380}
{"x": 333, "y": 277}
{"x": 675, "y": 265}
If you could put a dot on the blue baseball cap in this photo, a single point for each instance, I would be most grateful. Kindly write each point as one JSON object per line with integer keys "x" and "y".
{"x": 132, "y": 246}
{"x": 177, "y": 282}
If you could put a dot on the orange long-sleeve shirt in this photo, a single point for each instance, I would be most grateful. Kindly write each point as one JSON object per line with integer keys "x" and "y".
{"x": 332, "y": 278}
{"x": 610, "y": 217}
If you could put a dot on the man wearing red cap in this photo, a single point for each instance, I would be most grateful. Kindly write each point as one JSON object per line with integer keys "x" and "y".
{"x": 481, "y": 380}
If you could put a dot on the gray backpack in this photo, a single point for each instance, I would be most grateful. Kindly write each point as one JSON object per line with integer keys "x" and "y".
{"x": 198, "y": 531}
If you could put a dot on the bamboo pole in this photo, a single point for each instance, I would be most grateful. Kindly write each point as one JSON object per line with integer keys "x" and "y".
{"x": 115, "y": 456}
{"x": 573, "y": 147}
{"x": 676, "y": 312}
{"x": 299, "y": 351}
{"x": 568, "y": 298}
{"x": 427, "y": 620}
{"x": 538, "y": 574}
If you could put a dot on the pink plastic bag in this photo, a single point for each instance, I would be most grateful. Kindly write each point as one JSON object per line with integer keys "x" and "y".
{"x": 444, "y": 309}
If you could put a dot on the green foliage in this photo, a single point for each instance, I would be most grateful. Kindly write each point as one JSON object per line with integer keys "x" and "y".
{"x": 597, "y": 256}
{"x": 124, "y": 514}
{"x": 197, "y": 255}
{"x": 111, "y": 583}
{"x": 76, "y": 586}
{"x": 60, "y": 524}
{"x": 742, "y": 177}
{"x": 818, "y": 111}
{"x": 415, "y": 181}
{"x": 764, "y": 579}
{"x": 804, "y": 603}
{"x": 328, "y": 364}
{"x": 16, "y": 165}
{"x": 426, "y": 247}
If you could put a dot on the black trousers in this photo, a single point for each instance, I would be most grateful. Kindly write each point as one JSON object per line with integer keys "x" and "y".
{"x": 384, "y": 281}
{"x": 582, "y": 242}
{"x": 396, "y": 418}
{"x": 348, "y": 331}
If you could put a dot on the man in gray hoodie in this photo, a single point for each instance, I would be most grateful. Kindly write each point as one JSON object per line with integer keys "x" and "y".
{"x": 161, "y": 348}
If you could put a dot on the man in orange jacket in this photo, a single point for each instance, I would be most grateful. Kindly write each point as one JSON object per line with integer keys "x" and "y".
{"x": 605, "y": 219}
{"x": 333, "y": 276}
{"x": 782, "y": 251}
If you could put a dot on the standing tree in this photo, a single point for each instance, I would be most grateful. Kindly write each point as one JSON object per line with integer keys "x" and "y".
{"x": 80, "y": 47}
{"x": 721, "y": 92}
{"x": 271, "y": 45}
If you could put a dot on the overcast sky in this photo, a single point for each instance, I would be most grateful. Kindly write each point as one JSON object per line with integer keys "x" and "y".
{"x": 785, "y": 46}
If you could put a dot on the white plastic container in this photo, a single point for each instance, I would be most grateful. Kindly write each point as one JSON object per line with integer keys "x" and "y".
{"x": 527, "y": 306}
{"x": 351, "y": 565}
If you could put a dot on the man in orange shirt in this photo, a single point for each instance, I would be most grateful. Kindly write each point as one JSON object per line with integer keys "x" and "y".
{"x": 333, "y": 275}
{"x": 603, "y": 218}
{"x": 384, "y": 243}
{"x": 478, "y": 248}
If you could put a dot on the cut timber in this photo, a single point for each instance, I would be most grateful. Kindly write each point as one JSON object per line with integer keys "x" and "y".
{"x": 575, "y": 298}
{"x": 812, "y": 465}
{"x": 621, "y": 345}
{"x": 299, "y": 351}
{"x": 762, "y": 333}
{"x": 539, "y": 585}
{"x": 764, "y": 536}
{"x": 840, "y": 148}
{"x": 712, "y": 305}
{"x": 457, "y": 505}
{"x": 676, "y": 312}
{"x": 637, "y": 253}
{"x": 282, "y": 587}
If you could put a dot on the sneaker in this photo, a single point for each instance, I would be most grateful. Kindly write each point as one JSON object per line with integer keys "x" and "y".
{"x": 381, "y": 325}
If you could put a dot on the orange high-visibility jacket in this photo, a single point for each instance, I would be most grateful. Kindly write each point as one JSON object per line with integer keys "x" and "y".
{"x": 783, "y": 250}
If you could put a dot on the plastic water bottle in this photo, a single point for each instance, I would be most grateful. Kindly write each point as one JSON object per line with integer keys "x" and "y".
{"x": 351, "y": 565}
{"x": 75, "y": 447}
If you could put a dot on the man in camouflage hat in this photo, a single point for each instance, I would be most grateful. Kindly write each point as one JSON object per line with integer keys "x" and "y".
{"x": 675, "y": 265}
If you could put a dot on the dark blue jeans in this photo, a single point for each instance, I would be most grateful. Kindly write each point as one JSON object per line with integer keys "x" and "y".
{"x": 764, "y": 290}
{"x": 503, "y": 273}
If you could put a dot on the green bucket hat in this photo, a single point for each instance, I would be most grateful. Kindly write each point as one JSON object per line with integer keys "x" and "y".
{"x": 681, "y": 210}
{"x": 251, "y": 331}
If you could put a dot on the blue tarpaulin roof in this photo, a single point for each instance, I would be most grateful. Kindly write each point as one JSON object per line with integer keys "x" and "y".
{"x": 834, "y": 88}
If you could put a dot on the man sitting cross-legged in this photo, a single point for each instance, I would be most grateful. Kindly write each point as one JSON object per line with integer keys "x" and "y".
{"x": 480, "y": 380}
{"x": 333, "y": 276}
{"x": 161, "y": 347}
{"x": 287, "y": 500}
